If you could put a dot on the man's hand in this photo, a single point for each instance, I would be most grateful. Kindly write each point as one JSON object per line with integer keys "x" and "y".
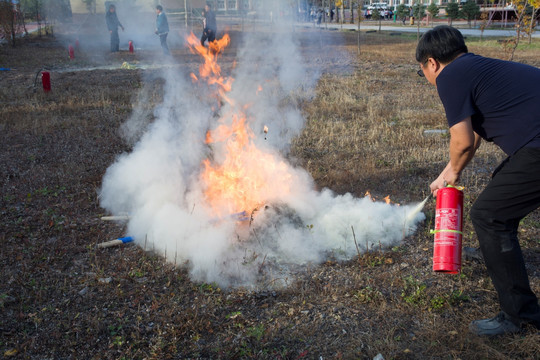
{"x": 447, "y": 177}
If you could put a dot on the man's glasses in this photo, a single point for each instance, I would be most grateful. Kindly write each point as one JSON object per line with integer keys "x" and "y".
{"x": 421, "y": 72}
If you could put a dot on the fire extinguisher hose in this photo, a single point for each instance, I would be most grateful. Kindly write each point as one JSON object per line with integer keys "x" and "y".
{"x": 37, "y": 74}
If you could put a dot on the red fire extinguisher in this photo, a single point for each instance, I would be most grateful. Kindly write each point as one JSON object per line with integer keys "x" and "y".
{"x": 46, "y": 80}
{"x": 448, "y": 230}
{"x": 71, "y": 52}
{"x": 131, "y": 46}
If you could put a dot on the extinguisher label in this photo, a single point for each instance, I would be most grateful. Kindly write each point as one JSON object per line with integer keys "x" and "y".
{"x": 447, "y": 219}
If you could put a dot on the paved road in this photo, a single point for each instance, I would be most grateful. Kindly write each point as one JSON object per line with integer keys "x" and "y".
{"x": 368, "y": 25}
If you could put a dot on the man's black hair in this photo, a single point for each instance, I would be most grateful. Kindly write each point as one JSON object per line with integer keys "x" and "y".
{"x": 442, "y": 43}
{"x": 209, "y": 5}
{"x": 159, "y": 7}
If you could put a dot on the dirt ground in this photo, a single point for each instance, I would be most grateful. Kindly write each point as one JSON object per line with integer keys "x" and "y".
{"x": 62, "y": 298}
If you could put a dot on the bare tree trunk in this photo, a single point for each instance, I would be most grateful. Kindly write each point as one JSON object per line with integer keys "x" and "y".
{"x": 360, "y": 5}
{"x": 342, "y": 10}
{"x": 13, "y": 29}
{"x": 531, "y": 27}
{"x": 518, "y": 33}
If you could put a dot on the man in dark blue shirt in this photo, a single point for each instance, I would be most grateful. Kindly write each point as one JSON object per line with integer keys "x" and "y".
{"x": 162, "y": 29}
{"x": 497, "y": 101}
{"x": 209, "y": 25}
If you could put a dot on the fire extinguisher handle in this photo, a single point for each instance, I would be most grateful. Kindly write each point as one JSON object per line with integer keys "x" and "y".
{"x": 457, "y": 187}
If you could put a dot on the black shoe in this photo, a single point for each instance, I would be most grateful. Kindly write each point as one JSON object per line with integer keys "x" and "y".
{"x": 499, "y": 325}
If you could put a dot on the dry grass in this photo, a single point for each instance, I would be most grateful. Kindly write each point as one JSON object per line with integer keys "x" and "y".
{"x": 364, "y": 132}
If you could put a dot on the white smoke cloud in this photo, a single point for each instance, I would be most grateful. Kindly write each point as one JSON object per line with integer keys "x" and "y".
{"x": 159, "y": 184}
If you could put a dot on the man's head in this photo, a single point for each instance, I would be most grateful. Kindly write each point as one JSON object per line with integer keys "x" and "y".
{"x": 437, "y": 48}
{"x": 442, "y": 43}
{"x": 112, "y": 8}
{"x": 159, "y": 9}
{"x": 207, "y": 7}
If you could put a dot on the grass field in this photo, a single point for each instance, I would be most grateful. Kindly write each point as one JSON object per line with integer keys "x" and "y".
{"x": 62, "y": 298}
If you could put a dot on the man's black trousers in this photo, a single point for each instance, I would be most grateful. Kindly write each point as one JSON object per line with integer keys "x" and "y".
{"x": 163, "y": 42}
{"x": 513, "y": 192}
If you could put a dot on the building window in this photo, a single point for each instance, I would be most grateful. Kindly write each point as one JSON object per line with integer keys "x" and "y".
{"x": 232, "y": 5}
{"x": 221, "y": 5}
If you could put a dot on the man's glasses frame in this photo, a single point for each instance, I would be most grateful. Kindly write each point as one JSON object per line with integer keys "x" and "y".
{"x": 421, "y": 72}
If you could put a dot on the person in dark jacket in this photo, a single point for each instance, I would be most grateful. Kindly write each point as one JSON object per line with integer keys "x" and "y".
{"x": 209, "y": 25}
{"x": 496, "y": 101}
{"x": 162, "y": 29}
{"x": 112, "y": 24}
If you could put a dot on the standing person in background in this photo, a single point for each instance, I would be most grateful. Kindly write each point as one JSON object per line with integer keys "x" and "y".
{"x": 162, "y": 29}
{"x": 112, "y": 24}
{"x": 209, "y": 24}
{"x": 497, "y": 101}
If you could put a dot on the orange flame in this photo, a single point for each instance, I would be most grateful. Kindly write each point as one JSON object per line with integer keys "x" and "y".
{"x": 368, "y": 194}
{"x": 210, "y": 70}
{"x": 241, "y": 177}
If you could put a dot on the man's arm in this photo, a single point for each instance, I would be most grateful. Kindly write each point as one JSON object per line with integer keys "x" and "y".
{"x": 463, "y": 145}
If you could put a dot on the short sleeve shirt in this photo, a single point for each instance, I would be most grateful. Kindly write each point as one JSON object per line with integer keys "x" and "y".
{"x": 501, "y": 97}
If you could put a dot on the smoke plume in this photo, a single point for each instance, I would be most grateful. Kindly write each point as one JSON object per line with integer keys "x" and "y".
{"x": 160, "y": 183}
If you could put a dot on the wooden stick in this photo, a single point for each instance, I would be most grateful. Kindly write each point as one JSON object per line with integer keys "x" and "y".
{"x": 355, "y": 243}
{"x": 115, "y": 218}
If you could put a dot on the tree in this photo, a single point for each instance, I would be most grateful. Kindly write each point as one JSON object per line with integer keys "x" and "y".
{"x": 360, "y": 17}
{"x": 419, "y": 11}
{"x": 433, "y": 10}
{"x": 535, "y": 4}
{"x": 402, "y": 12}
{"x": 342, "y": 12}
{"x": 7, "y": 20}
{"x": 376, "y": 15}
{"x": 45, "y": 11}
{"x": 511, "y": 45}
{"x": 452, "y": 12}
{"x": 470, "y": 11}
{"x": 483, "y": 25}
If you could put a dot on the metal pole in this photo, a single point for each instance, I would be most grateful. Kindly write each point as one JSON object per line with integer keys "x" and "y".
{"x": 185, "y": 13}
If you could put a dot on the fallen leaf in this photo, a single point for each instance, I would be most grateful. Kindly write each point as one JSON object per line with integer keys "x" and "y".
{"x": 11, "y": 352}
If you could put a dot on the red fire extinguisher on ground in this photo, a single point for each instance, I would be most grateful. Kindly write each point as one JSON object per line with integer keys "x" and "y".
{"x": 46, "y": 81}
{"x": 448, "y": 230}
{"x": 131, "y": 46}
{"x": 71, "y": 52}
